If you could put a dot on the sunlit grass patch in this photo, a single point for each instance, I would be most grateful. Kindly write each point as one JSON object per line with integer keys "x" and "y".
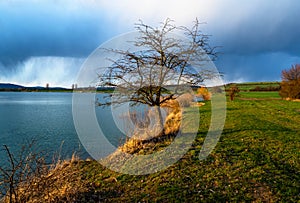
{"x": 260, "y": 95}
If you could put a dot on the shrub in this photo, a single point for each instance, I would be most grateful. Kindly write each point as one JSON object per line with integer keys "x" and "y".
{"x": 290, "y": 85}
{"x": 204, "y": 93}
{"x": 233, "y": 92}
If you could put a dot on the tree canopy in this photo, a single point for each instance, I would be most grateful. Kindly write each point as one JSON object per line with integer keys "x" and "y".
{"x": 169, "y": 57}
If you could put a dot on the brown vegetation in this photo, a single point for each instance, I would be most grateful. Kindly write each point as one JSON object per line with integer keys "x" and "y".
{"x": 204, "y": 93}
{"x": 147, "y": 141}
{"x": 290, "y": 85}
{"x": 233, "y": 92}
{"x": 28, "y": 178}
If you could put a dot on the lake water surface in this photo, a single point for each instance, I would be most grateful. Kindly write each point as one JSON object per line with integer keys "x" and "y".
{"x": 46, "y": 117}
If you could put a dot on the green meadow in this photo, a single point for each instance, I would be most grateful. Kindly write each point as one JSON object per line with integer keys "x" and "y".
{"x": 256, "y": 160}
{"x": 260, "y": 95}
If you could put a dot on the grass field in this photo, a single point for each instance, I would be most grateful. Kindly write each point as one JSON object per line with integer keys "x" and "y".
{"x": 262, "y": 95}
{"x": 256, "y": 160}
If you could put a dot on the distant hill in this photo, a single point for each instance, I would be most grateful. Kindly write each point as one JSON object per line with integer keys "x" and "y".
{"x": 14, "y": 87}
{"x": 10, "y": 86}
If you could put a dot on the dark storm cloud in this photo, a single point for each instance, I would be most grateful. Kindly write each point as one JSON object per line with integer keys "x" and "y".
{"x": 47, "y": 30}
{"x": 255, "y": 67}
{"x": 259, "y": 40}
{"x": 266, "y": 26}
{"x": 260, "y": 37}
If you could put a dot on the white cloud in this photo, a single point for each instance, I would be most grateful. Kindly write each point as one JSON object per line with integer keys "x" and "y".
{"x": 37, "y": 71}
{"x": 154, "y": 11}
{"x": 183, "y": 12}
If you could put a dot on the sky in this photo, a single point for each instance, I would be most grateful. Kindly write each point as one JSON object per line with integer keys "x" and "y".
{"x": 48, "y": 41}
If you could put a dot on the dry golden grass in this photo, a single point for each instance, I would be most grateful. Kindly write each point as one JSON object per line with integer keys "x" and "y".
{"x": 144, "y": 142}
{"x": 204, "y": 93}
{"x": 60, "y": 182}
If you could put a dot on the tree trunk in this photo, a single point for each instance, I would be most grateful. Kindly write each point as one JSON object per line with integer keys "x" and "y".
{"x": 160, "y": 120}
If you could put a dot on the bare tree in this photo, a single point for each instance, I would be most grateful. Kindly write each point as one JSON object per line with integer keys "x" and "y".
{"x": 290, "y": 85}
{"x": 166, "y": 62}
{"x": 233, "y": 92}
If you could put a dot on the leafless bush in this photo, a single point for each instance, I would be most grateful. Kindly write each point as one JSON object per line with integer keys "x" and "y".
{"x": 28, "y": 178}
{"x": 18, "y": 170}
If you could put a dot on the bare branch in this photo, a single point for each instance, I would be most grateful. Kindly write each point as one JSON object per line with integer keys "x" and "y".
{"x": 165, "y": 60}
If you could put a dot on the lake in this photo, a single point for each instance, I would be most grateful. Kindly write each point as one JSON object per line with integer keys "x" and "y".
{"x": 47, "y": 118}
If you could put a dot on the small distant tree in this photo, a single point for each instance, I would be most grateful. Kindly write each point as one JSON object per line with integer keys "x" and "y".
{"x": 140, "y": 77}
{"x": 290, "y": 85}
{"x": 234, "y": 91}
